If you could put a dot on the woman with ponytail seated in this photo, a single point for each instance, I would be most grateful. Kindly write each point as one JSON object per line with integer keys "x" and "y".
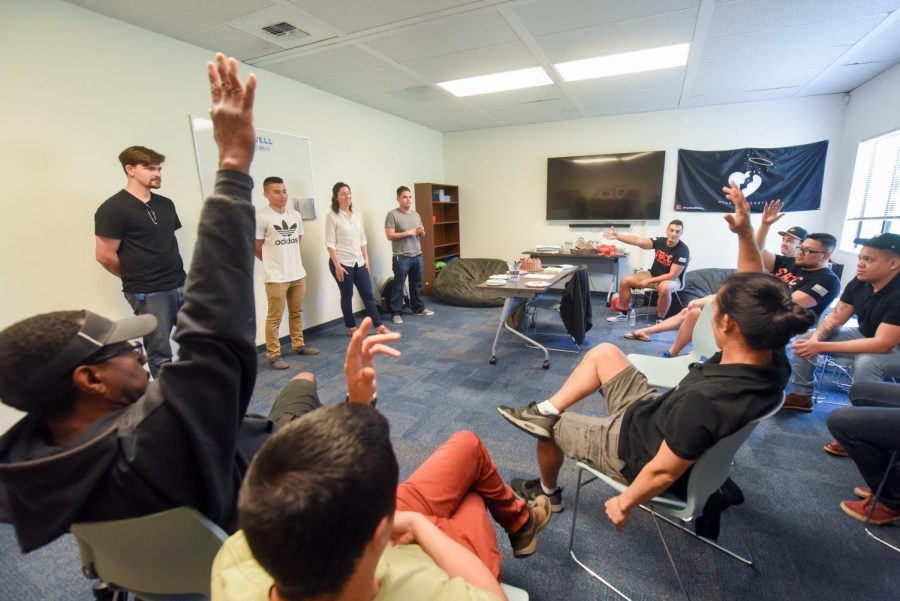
{"x": 651, "y": 440}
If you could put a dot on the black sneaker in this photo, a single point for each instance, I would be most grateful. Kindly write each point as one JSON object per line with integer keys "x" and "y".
{"x": 530, "y": 420}
{"x": 529, "y": 490}
{"x": 524, "y": 541}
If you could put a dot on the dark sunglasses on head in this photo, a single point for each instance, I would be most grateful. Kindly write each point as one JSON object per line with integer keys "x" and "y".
{"x": 114, "y": 350}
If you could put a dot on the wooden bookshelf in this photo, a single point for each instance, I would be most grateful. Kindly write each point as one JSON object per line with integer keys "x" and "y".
{"x": 441, "y": 221}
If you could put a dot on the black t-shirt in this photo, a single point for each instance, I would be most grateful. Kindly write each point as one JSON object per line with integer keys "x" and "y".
{"x": 821, "y": 284}
{"x": 663, "y": 257}
{"x": 711, "y": 402}
{"x": 148, "y": 250}
{"x": 873, "y": 308}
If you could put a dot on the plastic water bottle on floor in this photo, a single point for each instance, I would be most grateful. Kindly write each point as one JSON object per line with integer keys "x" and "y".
{"x": 632, "y": 317}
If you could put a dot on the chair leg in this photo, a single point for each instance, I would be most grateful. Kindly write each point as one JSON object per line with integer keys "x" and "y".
{"x": 891, "y": 464}
{"x": 572, "y": 540}
{"x": 744, "y": 560}
{"x": 669, "y": 555}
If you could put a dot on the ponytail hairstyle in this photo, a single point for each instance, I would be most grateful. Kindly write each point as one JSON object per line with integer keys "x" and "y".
{"x": 762, "y": 308}
{"x": 335, "y": 207}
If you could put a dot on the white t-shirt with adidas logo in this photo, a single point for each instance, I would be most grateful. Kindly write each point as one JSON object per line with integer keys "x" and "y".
{"x": 280, "y": 233}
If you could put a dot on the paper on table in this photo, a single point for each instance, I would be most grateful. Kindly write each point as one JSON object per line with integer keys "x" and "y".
{"x": 540, "y": 276}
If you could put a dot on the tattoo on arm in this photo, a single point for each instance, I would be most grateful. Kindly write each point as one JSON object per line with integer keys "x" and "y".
{"x": 827, "y": 326}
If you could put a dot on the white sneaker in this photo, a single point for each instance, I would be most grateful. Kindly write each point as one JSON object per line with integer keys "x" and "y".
{"x": 618, "y": 317}
{"x": 397, "y": 319}
{"x": 425, "y": 312}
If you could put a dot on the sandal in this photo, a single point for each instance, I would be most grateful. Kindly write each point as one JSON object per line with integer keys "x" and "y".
{"x": 634, "y": 336}
{"x": 382, "y": 329}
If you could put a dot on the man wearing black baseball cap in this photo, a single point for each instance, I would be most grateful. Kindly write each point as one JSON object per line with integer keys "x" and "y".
{"x": 874, "y": 296}
{"x": 99, "y": 441}
{"x": 790, "y": 238}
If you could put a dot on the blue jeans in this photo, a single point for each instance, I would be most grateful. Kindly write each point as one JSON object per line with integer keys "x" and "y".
{"x": 869, "y": 432}
{"x": 357, "y": 275}
{"x": 413, "y": 267}
{"x": 867, "y": 367}
{"x": 164, "y": 306}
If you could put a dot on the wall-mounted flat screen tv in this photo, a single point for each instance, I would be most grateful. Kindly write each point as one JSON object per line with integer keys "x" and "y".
{"x": 625, "y": 186}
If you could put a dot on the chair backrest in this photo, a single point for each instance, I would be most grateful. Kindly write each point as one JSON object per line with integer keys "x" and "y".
{"x": 703, "y": 342}
{"x": 164, "y": 554}
{"x": 714, "y": 466}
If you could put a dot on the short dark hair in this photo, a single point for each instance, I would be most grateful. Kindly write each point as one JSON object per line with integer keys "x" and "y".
{"x": 677, "y": 222}
{"x": 272, "y": 179}
{"x": 828, "y": 242}
{"x": 761, "y": 306}
{"x": 315, "y": 494}
{"x": 335, "y": 206}
{"x": 402, "y": 189}
{"x": 140, "y": 155}
{"x": 28, "y": 344}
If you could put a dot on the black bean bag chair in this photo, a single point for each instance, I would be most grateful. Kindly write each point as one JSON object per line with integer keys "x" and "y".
{"x": 456, "y": 283}
{"x": 703, "y": 282}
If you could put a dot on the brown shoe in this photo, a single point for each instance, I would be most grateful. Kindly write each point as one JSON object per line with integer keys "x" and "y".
{"x": 835, "y": 448}
{"x": 524, "y": 540}
{"x": 859, "y": 510}
{"x": 278, "y": 363}
{"x": 798, "y": 402}
{"x": 306, "y": 350}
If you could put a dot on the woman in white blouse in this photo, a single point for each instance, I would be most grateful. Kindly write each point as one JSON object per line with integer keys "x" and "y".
{"x": 345, "y": 240}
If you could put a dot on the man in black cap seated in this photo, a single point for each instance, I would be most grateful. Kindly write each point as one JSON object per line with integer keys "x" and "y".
{"x": 100, "y": 441}
{"x": 790, "y": 238}
{"x": 874, "y": 297}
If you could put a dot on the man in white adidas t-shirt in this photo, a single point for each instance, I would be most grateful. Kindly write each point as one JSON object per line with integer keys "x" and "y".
{"x": 278, "y": 233}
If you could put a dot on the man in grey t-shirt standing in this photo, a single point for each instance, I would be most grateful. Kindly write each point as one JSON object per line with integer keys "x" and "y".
{"x": 403, "y": 228}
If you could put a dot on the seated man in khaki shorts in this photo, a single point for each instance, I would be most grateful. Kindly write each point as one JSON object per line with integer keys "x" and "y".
{"x": 651, "y": 439}
{"x": 666, "y": 275}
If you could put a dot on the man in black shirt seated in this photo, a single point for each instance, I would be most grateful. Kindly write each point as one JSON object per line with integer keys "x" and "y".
{"x": 874, "y": 297}
{"x": 649, "y": 439}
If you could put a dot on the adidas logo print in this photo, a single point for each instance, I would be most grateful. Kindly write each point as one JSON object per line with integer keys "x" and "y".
{"x": 286, "y": 233}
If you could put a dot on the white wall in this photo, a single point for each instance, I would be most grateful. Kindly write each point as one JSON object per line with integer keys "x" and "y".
{"x": 872, "y": 111}
{"x": 79, "y": 87}
{"x": 502, "y": 173}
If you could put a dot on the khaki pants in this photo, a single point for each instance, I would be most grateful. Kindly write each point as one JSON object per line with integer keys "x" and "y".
{"x": 277, "y": 293}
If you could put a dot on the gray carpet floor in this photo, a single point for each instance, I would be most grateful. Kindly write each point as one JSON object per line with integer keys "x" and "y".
{"x": 805, "y": 547}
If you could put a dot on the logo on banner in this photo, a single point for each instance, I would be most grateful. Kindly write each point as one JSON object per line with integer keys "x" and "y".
{"x": 750, "y": 180}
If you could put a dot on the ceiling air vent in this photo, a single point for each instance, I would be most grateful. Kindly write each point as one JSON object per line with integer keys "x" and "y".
{"x": 283, "y": 28}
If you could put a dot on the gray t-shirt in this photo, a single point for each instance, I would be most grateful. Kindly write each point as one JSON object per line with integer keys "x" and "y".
{"x": 400, "y": 222}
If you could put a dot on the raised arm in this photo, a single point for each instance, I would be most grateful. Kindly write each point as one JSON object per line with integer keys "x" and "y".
{"x": 612, "y": 234}
{"x": 771, "y": 213}
{"x": 107, "y": 254}
{"x": 749, "y": 258}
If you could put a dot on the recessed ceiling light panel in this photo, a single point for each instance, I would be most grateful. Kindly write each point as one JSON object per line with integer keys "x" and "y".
{"x": 497, "y": 82}
{"x": 650, "y": 59}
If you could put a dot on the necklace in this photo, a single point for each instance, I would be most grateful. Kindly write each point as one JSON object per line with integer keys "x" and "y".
{"x": 151, "y": 213}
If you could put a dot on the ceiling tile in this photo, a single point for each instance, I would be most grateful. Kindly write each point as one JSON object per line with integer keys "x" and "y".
{"x": 554, "y": 16}
{"x": 845, "y": 78}
{"x": 729, "y": 97}
{"x": 743, "y": 16}
{"x": 445, "y": 37}
{"x": 662, "y": 83}
{"x": 527, "y": 96}
{"x": 361, "y": 83}
{"x": 811, "y": 58}
{"x": 559, "y": 109}
{"x": 177, "y": 18}
{"x": 351, "y": 16}
{"x": 478, "y": 61}
{"x": 325, "y": 64}
{"x": 601, "y": 40}
{"x": 634, "y": 104}
{"x": 232, "y": 42}
{"x": 749, "y": 82}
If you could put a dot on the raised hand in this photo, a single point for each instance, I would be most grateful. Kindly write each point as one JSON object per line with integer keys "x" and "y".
{"x": 359, "y": 365}
{"x": 739, "y": 221}
{"x": 612, "y": 234}
{"x": 771, "y": 211}
{"x": 232, "y": 113}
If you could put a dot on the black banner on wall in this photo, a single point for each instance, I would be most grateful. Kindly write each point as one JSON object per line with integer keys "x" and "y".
{"x": 793, "y": 173}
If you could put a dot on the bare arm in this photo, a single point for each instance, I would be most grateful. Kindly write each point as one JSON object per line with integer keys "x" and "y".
{"x": 809, "y": 348}
{"x": 365, "y": 253}
{"x": 804, "y": 300}
{"x": 448, "y": 554}
{"x": 359, "y": 363}
{"x": 395, "y": 235}
{"x": 771, "y": 213}
{"x": 749, "y": 258}
{"x": 645, "y": 243}
{"x": 107, "y": 254}
{"x": 673, "y": 274}
{"x": 658, "y": 475}
{"x": 258, "y": 250}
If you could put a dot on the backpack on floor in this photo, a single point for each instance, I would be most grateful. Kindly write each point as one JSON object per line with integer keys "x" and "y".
{"x": 386, "y": 296}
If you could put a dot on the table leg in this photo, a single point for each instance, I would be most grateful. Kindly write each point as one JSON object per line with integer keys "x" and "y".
{"x": 508, "y": 307}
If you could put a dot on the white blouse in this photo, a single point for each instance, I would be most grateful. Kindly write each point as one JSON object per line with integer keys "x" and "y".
{"x": 346, "y": 236}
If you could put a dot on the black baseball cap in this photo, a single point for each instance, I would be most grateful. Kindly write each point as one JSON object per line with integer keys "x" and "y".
{"x": 795, "y": 232}
{"x": 881, "y": 241}
{"x": 28, "y": 395}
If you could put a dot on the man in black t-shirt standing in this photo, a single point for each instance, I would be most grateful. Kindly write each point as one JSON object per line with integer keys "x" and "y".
{"x": 874, "y": 297}
{"x": 666, "y": 275}
{"x": 135, "y": 233}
